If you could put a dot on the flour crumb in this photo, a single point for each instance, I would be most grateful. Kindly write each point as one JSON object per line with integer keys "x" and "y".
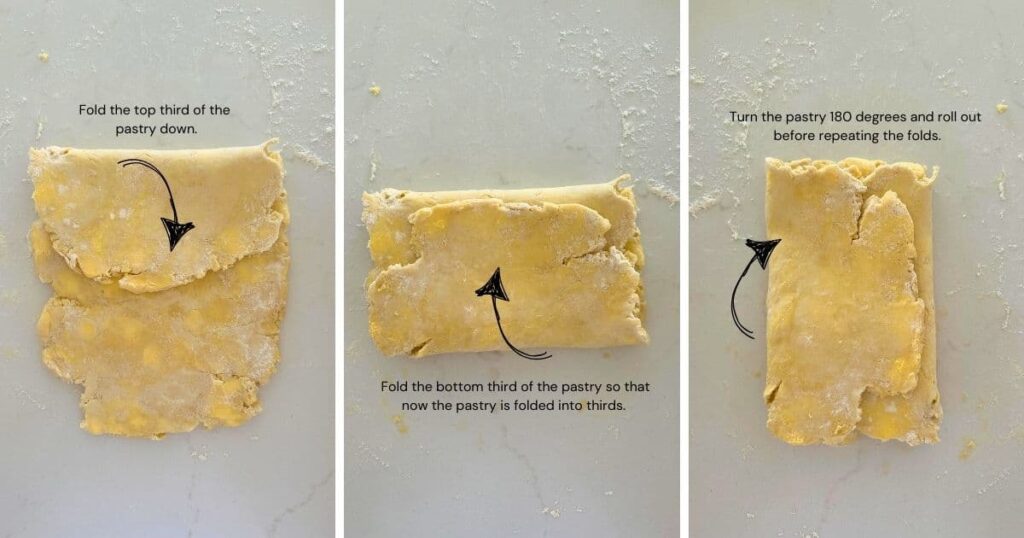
{"x": 200, "y": 454}
{"x": 609, "y": 493}
{"x": 1001, "y": 185}
{"x": 39, "y": 127}
{"x": 662, "y": 191}
{"x": 307, "y": 156}
{"x": 704, "y": 202}
{"x": 375, "y": 90}
{"x": 968, "y": 449}
{"x": 374, "y": 161}
{"x": 553, "y": 512}
{"x": 1002, "y": 107}
{"x": 43, "y": 56}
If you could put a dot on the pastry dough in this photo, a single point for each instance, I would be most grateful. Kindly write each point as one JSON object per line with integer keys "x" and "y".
{"x": 105, "y": 218}
{"x": 569, "y": 259}
{"x": 851, "y": 338}
{"x": 153, "y": 359}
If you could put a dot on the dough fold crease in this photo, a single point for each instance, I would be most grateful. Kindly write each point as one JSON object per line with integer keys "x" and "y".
{"x": 569, "y": 260}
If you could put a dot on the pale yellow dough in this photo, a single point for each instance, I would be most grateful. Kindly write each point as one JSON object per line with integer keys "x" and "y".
{"x": 164, "y": 362}
{"x": 851, "y": 316}
{"x": 105, "y": 218}
{"x": 569, "y": 260}
{"x": 161, "y": 341}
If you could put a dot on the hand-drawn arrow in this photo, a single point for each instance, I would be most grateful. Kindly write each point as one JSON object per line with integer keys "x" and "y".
{"x": 762, "y": 251}
{"x": 175, "y": 230}
{"x": 496, "y": 290}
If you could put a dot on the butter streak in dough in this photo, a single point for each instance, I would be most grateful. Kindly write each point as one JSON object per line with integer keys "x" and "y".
{"x": 386, "y": 214}
{"x": 168, "y": 361}
{"x": 568, "y": 287}
{"x": 105, "y": 218}
{"x": 915, "y": 418}
{"x": 850, "y": 325}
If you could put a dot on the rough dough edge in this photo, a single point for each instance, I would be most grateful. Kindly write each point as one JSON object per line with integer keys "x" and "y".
{"x": 852, "y": 166}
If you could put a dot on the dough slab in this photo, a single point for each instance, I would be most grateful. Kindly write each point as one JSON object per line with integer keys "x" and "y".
{"x": 569, "y": 259}
{"x": 156, "y": 358}
{"x": 105, "y": 217}
{"x": 851, "y": 315}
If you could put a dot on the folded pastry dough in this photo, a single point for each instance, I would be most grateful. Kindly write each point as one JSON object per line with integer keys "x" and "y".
{"x": 105, "y": 218}
{"x": 569, "y": 259}
{"x": 851, "y": 315}
{"x": 190, "y": 341}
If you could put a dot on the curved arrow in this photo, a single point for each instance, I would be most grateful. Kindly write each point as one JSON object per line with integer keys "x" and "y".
{"x": 175, "y": 230}
{"x": 496, "y": 290}
{"x": 762, "y": 251}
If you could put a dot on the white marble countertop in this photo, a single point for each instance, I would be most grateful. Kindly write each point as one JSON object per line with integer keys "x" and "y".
{"x": 886, "y": 57}
{"x": 503, "y": 95}
{"x": 273, "y": 66}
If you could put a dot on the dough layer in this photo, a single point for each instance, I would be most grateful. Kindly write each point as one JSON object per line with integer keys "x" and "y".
{"x": 155, "y": 358}
{"x": 850, "y": 304}
{"x": 569, "y": 262}
{"x": 105, "y": 218}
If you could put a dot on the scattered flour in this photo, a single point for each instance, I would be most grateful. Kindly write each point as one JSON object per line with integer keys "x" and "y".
{"x": 705, "y": 201}
{"x": 662, "y": 191}
{"x": 374, "y": 162}
{"x": 307, "y": 156}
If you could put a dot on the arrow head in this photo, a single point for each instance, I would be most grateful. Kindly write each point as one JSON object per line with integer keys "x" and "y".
{"x": 493, "y": 287}
{"x": 763, "y": 250}
{"x": 176, "y": 230}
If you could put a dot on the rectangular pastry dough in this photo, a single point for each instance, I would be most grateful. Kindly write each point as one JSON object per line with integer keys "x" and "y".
{"x": 851, "y": 314}
{"x": 569, "y": 258}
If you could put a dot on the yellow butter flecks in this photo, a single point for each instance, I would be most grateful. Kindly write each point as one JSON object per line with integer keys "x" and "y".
{"x": 105, "y": 217}
{"x": 569, "y": 260}
{"x": 849, "y": 329}
{"x": 147, "y": 369}
{"x": 183, "y": 344}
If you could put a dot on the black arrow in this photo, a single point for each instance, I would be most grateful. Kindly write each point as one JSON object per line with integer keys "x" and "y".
{"x": 496, "y": 290}
{"x": 762, "y": 251}
{"x": 175, "y": 230}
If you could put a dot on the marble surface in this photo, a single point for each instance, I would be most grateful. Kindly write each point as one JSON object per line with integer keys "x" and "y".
{"x": 886, "y": 57}
{"x": 274, "y": 67}
{"x": 503, "y": 95}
